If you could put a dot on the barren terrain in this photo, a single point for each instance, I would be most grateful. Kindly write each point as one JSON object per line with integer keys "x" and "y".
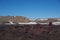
{"x": 29, "y": 32}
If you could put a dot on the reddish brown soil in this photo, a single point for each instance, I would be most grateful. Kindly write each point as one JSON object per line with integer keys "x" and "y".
{"x": 29, "y": 32}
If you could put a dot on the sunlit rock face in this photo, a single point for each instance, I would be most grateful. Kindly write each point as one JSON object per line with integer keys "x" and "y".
{"x": 20, "y": 19}
{"x": 6, "y": 18}
{"x": 15, "y": 19}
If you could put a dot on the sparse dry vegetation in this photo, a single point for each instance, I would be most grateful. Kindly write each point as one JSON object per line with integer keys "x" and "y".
{"x": 38, "y": 32}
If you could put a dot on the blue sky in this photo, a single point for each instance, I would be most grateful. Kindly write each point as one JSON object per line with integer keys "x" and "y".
{"x": 30, "y": 8}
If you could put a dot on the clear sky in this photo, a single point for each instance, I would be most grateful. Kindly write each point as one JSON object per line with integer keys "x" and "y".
{"x": 30, "y": 8}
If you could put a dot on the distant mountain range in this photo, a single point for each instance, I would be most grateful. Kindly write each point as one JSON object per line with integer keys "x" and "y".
{"x": 17, "y": 19}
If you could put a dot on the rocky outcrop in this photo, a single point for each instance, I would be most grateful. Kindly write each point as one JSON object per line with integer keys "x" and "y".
{"x": 13, "y": 19}
{"x": 20, "y": 19}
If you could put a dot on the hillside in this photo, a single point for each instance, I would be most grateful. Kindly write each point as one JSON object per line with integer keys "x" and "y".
{"x": 13, "y": 19}
{"x": 17, "y": 19}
